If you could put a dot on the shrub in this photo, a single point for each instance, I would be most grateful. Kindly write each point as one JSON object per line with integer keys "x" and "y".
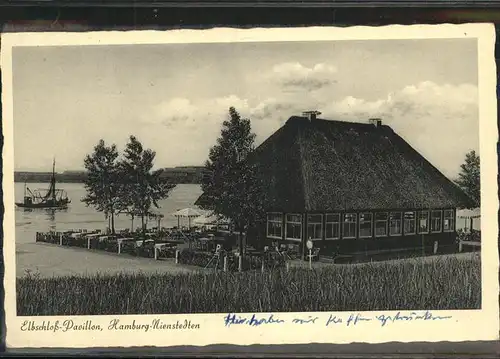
{"x": 197, "y": 258}
{"x": 50, "y": 237}
{"x": 167, "y": 252}
{"x": 271, "y": 262}
{"x": 201, "y": 259}
{"x": 474, "y": 235}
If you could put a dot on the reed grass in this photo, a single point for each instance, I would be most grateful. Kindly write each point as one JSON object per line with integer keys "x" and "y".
{"x": 447, "y": 283}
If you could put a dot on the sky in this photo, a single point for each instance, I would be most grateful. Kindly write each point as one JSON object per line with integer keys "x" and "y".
{"x": 174, "y": 97}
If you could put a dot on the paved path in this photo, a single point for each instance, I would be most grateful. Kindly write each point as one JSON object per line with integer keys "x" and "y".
{"x": 51, "y": 260}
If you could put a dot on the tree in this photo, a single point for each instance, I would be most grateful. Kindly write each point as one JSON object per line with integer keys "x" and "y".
{"x": 102, "y": 183}
{"x": 142, "y": 187}
{"x": 230, "y": 185}
{"x": 469, "y": 177}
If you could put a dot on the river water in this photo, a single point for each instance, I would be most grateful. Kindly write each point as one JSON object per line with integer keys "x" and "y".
{"x": 79, "y": 216}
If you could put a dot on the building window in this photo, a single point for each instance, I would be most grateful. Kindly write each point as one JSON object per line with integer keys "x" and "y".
{"x": 381, "y": 224}
{"x": 315, "y": 226}
{"x": 423, "y": 222}
{"x": 332, "y": 226}
{"x": 275, "y": 225}
{"x": 409, "y": 224}
{"x": 395, "y": 223}
{"x": 449, "y": 221}
{"x": 349, "y": 230}
{"x": 436, "y": 221}
{"x": 365, "y": 225}
{"x": 293, "y": 229}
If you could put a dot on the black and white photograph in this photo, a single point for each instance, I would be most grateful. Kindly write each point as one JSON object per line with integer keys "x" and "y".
{"x": 249, "y": 179}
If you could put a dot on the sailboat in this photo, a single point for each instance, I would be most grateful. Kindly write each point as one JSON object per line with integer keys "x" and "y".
{"x": 52, "y": 198}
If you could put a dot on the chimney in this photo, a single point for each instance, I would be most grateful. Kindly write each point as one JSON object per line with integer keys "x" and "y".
{"x": 375, "y": 122}
{"x": 311, "y": 115}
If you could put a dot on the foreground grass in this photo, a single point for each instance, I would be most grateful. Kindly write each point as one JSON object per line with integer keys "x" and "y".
{"x": 446, "y": 283}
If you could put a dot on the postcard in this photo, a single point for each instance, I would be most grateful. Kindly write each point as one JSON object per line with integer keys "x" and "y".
{"x": 250, "y": 186}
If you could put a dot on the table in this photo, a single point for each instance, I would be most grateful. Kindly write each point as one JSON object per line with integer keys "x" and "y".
{"x": 120, "y": 241}
{"x": 139, "y": 242}
{"x": 90, "y": 237}
{"x": 159, "y": 246}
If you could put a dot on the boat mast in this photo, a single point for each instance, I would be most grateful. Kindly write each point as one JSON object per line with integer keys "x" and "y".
{"x": 53, "y": 184}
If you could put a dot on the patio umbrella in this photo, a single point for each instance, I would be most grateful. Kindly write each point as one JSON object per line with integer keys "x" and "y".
{"x": 186, "y": 213}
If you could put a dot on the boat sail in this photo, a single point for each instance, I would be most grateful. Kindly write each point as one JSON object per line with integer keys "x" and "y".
{"x": 52, "y": 198}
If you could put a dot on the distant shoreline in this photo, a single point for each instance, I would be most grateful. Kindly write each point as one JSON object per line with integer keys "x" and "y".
{"x": 79, "y": 181}
{"x": 47, "y": 181}
{"x": 177, "y": 175}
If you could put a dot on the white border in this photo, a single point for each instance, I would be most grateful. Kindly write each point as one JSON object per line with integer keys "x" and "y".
{"x": 466, "y": 325}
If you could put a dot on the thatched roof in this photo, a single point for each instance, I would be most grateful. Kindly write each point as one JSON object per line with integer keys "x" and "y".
{"x": 324, "y": 165}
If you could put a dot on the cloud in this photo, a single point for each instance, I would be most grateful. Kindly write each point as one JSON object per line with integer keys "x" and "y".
{"x": 424, "y": 103}
{"x": 295, "y": 76}
{"x": 175, "y": 112}
{"x": 272, "y": 108}
{"x": 180, "y": 112}
{"x": 182, "y": 130}
{"x": 440, "y": 121}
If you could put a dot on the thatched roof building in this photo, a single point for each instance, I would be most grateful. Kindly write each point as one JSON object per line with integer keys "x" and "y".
{"x": 322, "y": 165}
{"x": 334, "y": 181}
